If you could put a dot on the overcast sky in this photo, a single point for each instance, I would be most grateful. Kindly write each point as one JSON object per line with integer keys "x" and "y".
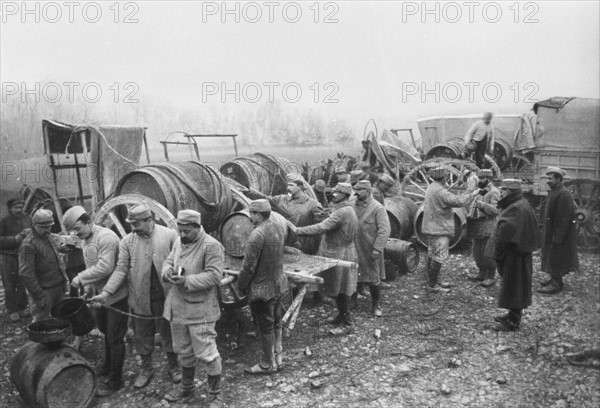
{"x": 376, "y": 57}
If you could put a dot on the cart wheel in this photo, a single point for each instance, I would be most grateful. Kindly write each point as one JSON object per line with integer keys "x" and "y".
{"x": 415, "y": 182}
{"x": 520, "y": 167}
{"x": 587, "y": 211}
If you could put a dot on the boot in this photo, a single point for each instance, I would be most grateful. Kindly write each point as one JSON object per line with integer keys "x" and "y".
{"x": 279, "y": 348}
{"x": 552, "y": 288}
{"x": 214, "y": 391}
{"x": 186, "y": 389}
{"x": 501, "y": 318}
{"x": 146, "y": 372}
{"x": 480, "y": 277}
{"x": 360, "y": 289}
{"x": 490, "y": 278}
{"x": 375, "y": 299}
{"x": 511, "y": 323}
{"x": 546, "y": 283}
{"x": 433, "y": 273}
{"x": 174, "y": 369}
{"x": 337, "y": 319}
{"x": 114, "y": 382}
{"x": 267, "y": 363}
{"x": 347, "y": 325}
{"x": 104, "y": 369}
{"x": 354, "y": 301}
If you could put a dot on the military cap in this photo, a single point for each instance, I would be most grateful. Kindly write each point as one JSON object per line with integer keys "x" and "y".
{"x": 387, "y": 179}
{"x": 43, "y": 218}
{"x": 319, "y": 185}
{"x": 72, "y": 215}
{"x": 14, "y": 201}
{"x": 343, "y": 188}
{"x": 485, "y": 173}
{"x": 138, "y": 212}
{"x": 261, "y": 205}
{"x": 557, "y": 170}
{"x": 185, "y": 217}
{"x": 340, "y": 170}
{"x": 296, "y": 182}
{"x": 511, "y": 184}
{"x": 363, "y": 185}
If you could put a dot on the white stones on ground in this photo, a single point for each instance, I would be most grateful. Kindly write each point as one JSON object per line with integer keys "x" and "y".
{"x": 377, "y": 334}
{"x": 307, "y": 351}
{"x": 445, "y": 389}
{"x": 316, "y": 384}
{"x": 454, "y": 363}
{"x": 313, "y": 374}
{"x": 404, "y": 368}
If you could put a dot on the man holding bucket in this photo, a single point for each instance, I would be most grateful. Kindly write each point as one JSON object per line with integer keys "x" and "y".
{"x": 195, "y": 269}
{"x": 100, "y": 252}
{"x": 41, "y": 268}
{"x": 141, "y": 256}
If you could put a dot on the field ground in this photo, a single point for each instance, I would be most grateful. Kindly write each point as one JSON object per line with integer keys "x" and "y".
{"x": 435, "y": 350}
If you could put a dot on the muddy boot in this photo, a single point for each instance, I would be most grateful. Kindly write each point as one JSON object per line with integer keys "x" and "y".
{"x": 337, "y": 319}
{"x": 360, "y": 289}
{"x": 279, "y": 348}
{"x": 104, "y": 369}
{"x": 146, "y": 372}
{"x": 215, "y": 400}
{"x": 433, "y": 272}
{"x": 174, "y": 369}
{"x": 375, "y": 300}
{"x": 479, "y": 277}
{"x": 347, "y": 325}
{"x": 354, "y": 301}
{"x": 552, "y": 288}
{"x": 186, "y": 390}
{"x": 490, "y": 278}
{"x": 267, "y": 363}
{"x": 114, "y": 382}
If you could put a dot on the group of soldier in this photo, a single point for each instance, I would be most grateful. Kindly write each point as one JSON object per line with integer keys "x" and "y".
{"x": 166, "y": 280}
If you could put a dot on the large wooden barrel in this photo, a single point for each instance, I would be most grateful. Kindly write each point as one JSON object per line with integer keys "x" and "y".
{"x": 52, "y": 377}
{"x": 460, "y": 226}
{"x": 401, "y": 212}
{"x": 237, "y": 227}
{"x": 259, "y": 171}
{"x": 178, "y": 186}
{"x": 404, "y": 255}
{"x": 502, "y": 153}
{"x": 452, "y": 149}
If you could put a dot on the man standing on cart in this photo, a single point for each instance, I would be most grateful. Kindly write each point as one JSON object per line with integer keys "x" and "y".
{"x": 479, "y": 139}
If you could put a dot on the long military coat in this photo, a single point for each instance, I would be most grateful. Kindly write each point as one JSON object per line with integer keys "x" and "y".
{"x": 373, "y": 233}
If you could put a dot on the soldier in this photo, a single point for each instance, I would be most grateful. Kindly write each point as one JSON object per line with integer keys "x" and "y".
{"x": 559, "y": 250}
{"x": 438, "y": 225}
{"x": 100, "y": 251}
{"x": 339, "y": 233}
{"x": 263, "y": 278}
{"x": 479, "y": 139}
{"x": 195, "y": 269}
{"x": 13, "y": 230}
{"x": 383, "y": 188}
{"x": 481, "y": 218}
{"x": 41, "y": 268}
{"x": 515, "y": 237}
{"x": 373, "y": 233}
{"x": 141, "y": 256}
{"x": 342, "y": 175}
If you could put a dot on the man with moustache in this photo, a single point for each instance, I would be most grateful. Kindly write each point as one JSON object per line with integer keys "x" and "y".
{"x": 559, "y": 250}
{"x": 373, "y": 233}
{"x": 41, "y": 269}
{"x": 100, "y": 251}
{"x": 195, "y": 269}
{"x": 13, "y": 230}
{"x": 339, "y": 234}
{"x": 263, "y": 278}
{"x": 481, "y": 218}
{"x": 141, "y": 256}
{"x": 479, "y": 139}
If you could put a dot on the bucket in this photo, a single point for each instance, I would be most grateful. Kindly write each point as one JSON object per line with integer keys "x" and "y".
{"x": 75, "y": 311}
{"x": 460, "y": 226}
{"x": 52, "y": 377}
{"x": 50, "y": 332}
{"x": 401, "y": 212}
{"x": 178, "y": 186}
{"x": 236, "y": 230}
{"x": 404, "y": 255}
{"x": 452, "y": 149}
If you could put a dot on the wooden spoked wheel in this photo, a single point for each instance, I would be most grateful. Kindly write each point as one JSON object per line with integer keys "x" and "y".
{"x": 586, "y": 195}
{"x": 415, "y": 183}
{"x": 521, "y": 168}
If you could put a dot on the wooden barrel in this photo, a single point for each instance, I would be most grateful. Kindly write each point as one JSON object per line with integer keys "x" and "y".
{"x": 502, "y": 153}
{"x": 248, "y": 172}
{"x": 178, "y": 186}
{"x": 52, "y": 377}
{"x": 401, "y": 212}
{"x": 404, "y": 255}
{"x": 452, "y": 149}
{"x": 237, "y": 227}
{"x": 460, "y": 226}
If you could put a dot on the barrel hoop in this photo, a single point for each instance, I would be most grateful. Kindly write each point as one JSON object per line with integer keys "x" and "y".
{"x": 186, "y": 182}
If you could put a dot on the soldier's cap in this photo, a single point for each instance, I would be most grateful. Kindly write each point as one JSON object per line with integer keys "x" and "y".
{"x": 298, "y": 183}
{"x": 557, "y": 170}
{"x": 437, "y": 172}
{"x": 511, "y": 184}
{"x": 355, "y": 175}
{"x": 387, "y": 179}
{"x": 14, "y": 201}
{"x": 345, "y": 188}
{"x": 261, "y": 205}
{"x": 43, "y": 218}
{"x": 340, "y": 170}
{"x": 319, "y": 185}
{"x": 185, "y": 217}
{"x": 363, "y": 185}
{"x": 71, "y": 216}
{"x": 485, "y": 173}
{"x": 138, "y": 212}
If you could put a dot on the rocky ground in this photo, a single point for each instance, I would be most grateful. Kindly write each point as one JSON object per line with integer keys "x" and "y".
{"x": 433, "y": 350}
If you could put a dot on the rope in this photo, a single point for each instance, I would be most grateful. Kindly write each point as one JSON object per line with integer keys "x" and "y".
{"x": 136, "y": 316}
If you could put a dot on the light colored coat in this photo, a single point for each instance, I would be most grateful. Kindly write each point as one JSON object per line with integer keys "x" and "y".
{"x": 136, "y": 256}
{"x": 100, "y": 253}
{"x": 438, "y": 217}
{"x": 481, "y": 221}
{"x": 373, "y": 233}
{"x": 196, "y": 301}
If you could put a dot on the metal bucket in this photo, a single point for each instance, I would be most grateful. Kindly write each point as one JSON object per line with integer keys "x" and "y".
{"x": 56, "y": 377}
{"x": 460, "y": 226}
{"x": 452, "y": 149}
{"x": 401, "y": 212}
{"x": 178, "y": 186}
{"x": 405, "y": 256}
{"x": 75, "y": 311}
